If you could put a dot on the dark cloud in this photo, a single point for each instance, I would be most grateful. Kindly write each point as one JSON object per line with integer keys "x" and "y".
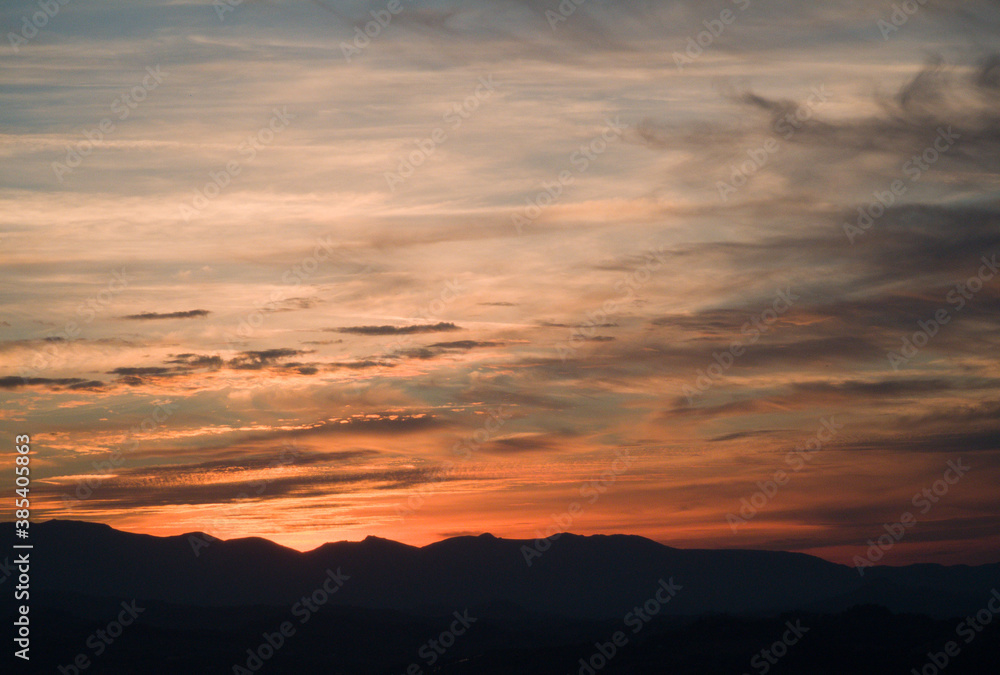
{"x": 148, "y": 316}
{"x": 438, "y": 348}
{"x": 893, "y": 389}
{"x": 631, "y": 360}
{"x": 972, "y": 441}
{"x": 928, "y": 243}
{"x": 198, "y": 360}
{"x": 464, "y": 344}
{"x": 15, "y": 382}
{"x": 140, "y": 371}
{"x": 984, "y": 412}
{"x": 910, "y": 119}
{"x": 361, "y": 365}
{"x": 301, "y": 368}
{"x": 554, "y": 324}
{"x": 742, "y": 407}
{"x": 87, "y": 384}
{"x": 376, "y": 422}
{"x": 852, "y": 393}
{"x": 418, "y": 353}
{"x": 134, "y": 492}
{"x": 256, "y": 360}
{"x": 514, "y": 445}
{"x": 858, "y": 154}
{"x": 440, "y": 327}
{"x": 292, "y": 304}
{"x": 753, "y": 433}
{"x": 284, "y": 456}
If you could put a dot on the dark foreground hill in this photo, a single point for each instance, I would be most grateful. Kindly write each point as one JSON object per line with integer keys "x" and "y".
{"x": 622, "y": 604}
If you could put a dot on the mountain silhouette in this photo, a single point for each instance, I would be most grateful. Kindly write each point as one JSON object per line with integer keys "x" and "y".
{"x": 212, "y": 606}
{"x": 588, "y": 577}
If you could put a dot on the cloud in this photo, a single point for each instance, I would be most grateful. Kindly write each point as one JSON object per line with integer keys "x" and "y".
{"x": 255, "y": 360}
{"x": 383, "y": 422}
{"x": 149, "y": 316}
{"x": 198, "y": 360}
{"x": 287, "y": 456}
{"x": 361, "y": 365}
{"x": 954, "y": 442}
{"x": 15, "y": 382}
{"x": 439, "y": 327}
{"x": 301, "y": 368}
{"x": 464, "y": 344}
{"x": 438, "y": 348}
{"x": 524, "y": 443}
{"x": 140, "y": 371}
{"x": 292, "y": 304}
{"x": 141, "y": 491}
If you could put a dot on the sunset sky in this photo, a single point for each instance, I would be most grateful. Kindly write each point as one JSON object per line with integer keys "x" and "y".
{"x": 266, "y": 275}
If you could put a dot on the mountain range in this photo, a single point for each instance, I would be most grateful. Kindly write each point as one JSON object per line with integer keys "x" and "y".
{"x": 376, "y": 603}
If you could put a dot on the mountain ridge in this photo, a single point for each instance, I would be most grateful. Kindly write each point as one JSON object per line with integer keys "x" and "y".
{"x": 593, "y": 577}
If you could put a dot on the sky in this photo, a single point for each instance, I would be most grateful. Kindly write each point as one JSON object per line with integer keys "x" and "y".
{"x": 722, "y": 274}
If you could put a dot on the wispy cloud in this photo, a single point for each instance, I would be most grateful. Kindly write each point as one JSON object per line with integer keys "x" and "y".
{"x": 151, "y": 316}
{"x": 381, "y": 329}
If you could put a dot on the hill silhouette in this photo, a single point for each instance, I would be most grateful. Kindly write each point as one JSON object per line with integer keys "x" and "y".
{"x": 714, "y": 609}
{"x": 592, "y": 577}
